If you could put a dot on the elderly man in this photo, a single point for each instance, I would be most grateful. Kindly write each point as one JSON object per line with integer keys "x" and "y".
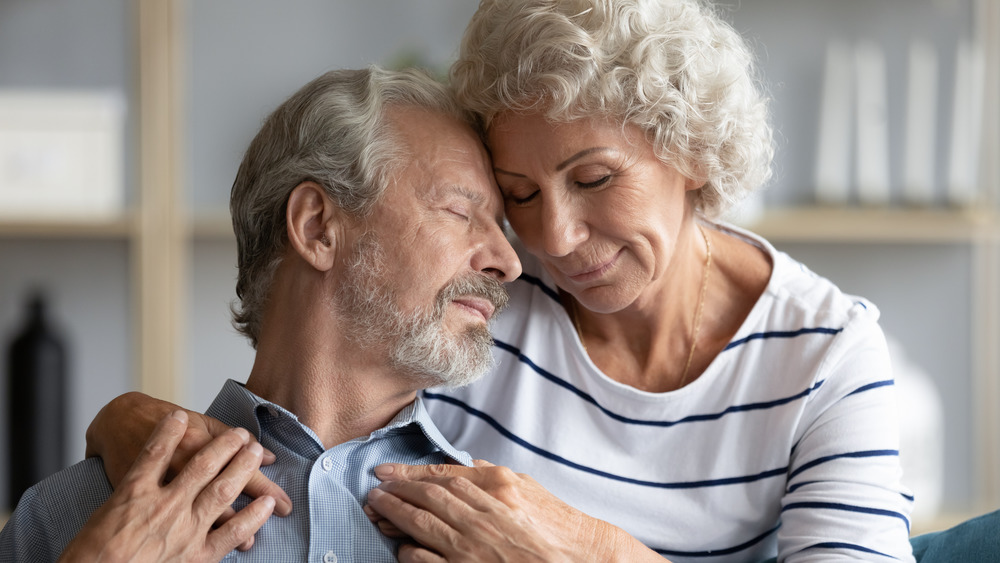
{"x": 371, "y": 257}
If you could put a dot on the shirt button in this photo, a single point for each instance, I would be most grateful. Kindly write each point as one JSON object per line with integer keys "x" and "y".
{"x": 330, "y": 557}
{"x": 328, "y": 465}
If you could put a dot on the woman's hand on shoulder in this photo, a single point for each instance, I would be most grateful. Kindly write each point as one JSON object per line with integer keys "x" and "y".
{"x": 120, "y": 430}
{"x": 488, "y": 513}
{"x": 147, "y": 520}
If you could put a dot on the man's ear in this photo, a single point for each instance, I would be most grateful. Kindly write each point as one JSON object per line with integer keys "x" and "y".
{"x": 314, "y": 223}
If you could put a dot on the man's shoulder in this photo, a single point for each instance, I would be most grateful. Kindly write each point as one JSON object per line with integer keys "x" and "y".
{"x": 51, "y": 512}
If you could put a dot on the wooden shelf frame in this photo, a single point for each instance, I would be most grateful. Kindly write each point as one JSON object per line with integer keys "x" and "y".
{"x": 877, "y": 225}
{"x": 122, "y": 227}
{"x": 160, "y": 249}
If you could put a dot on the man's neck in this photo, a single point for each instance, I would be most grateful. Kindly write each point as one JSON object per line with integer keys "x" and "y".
{"x": 306, "y": 364}
{"x": 338, "y": 401}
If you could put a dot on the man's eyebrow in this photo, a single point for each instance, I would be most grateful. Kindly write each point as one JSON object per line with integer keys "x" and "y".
{"x": 476, "y": 198}
{"x": 473, "y": 196}
{"x": 559, "y": 167}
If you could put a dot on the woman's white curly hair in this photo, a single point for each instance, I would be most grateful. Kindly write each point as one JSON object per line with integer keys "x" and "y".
{"x": 672, "y": 67}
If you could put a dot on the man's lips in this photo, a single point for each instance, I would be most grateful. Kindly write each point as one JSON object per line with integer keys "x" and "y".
{"x": 591, "y": 272}
{"x": 478, "y": 305}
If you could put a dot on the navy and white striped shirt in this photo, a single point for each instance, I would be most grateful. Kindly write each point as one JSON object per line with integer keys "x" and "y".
{"x": 787, "y": 444}
{"x": 327, "y": 487}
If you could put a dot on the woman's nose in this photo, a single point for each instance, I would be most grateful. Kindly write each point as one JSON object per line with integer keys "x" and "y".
{"x": 563, "y": 227}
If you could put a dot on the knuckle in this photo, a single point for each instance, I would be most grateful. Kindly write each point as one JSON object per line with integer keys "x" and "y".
{"x": 438, "y": 493}
{"x": 503, "y": 474}
{"x": 461, "y": 484}
{"x": 223, "y": 491}
{"x": 439, "y": 470}
{"x": 238, "y": 531}
{"x": 424, "y": 520}
{"x": 155, "y": 449}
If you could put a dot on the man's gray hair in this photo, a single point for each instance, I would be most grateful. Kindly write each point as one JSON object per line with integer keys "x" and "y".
{"x": 334, "y": 131}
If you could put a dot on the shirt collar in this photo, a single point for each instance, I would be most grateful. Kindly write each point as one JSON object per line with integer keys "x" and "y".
{"x": 237, "y": 406}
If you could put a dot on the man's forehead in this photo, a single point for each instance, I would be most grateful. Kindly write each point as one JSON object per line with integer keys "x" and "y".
{"x": 448, "y": 154}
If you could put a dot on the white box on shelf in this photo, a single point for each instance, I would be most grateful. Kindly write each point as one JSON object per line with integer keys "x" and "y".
{"x": 921, "y": 125}
{"x": 61, "y": 154}
{"x": 833, "y": 148}
{"x": 872, "y": 125}
{"x": 967, "y": 115}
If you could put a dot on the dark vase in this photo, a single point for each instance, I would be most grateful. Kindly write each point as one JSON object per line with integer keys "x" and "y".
{"x": 36, "y": 395}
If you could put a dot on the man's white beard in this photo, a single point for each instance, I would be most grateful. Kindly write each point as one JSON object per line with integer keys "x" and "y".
{"x": 419, "y": 345}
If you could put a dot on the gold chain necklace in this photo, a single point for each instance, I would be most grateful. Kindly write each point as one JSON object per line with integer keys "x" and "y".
{"x": 697, "y": 314}
{"x": 701, "y": 305}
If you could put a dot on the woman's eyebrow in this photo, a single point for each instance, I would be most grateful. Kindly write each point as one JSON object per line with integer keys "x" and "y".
{"x": 579, "y": 155}
{"x": 560, "y": 166}
{"x": 507, "y": 173}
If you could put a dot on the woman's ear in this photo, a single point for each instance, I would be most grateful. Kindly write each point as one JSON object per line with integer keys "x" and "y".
{"x": 694, "y": 184}
{"x": 313, "y": 222}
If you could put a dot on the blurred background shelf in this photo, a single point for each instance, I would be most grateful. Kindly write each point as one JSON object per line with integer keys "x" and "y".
{"x": 211, "y": 225}
{"x": 876, "y": 225}
{"x": 116, "y": 228}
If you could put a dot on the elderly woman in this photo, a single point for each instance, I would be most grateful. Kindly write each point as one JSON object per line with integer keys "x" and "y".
{"x": 658, "y": 370}
{"x": 684, "y": 388}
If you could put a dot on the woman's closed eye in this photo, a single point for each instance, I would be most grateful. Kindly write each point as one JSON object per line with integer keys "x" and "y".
{"x": 520, "y": 199}
{"x": 596, "y": 183}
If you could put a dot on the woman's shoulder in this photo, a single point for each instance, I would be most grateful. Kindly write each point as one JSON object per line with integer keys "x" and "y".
{"x": 798, "y": 294}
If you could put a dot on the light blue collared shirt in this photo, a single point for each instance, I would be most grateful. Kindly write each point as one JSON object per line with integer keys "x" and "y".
{"x": 327, "y": 487}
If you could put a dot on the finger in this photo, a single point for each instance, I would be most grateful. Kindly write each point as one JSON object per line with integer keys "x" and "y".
{"x": 195, "y": 439}
{"x": 370, "y": 512}
{"x": 259, "y": 486}
{"x": 227, "y": 513}
{"x": 206, "y": 465}
{"x": 239, "y": 530}
{"x": 386, "y": 527}
{"x": 460, "y": 490}
{"x": 414, "y": 521}
{"x": 482, "y": 463}
{"x": 246, "y": 545}
{"x": 390, "y": 530}
{"x": 218, "y": 495}
{"x": 155, "y": 456}
{"x": 412, "y": 553}
{"x": 396, "y": 471}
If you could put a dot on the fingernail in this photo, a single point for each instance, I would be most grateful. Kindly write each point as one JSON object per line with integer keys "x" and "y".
{"x": 268, "y": 502}
{"x": 384, "y": 470}
{"x": 256, "y": 449}
{"x": 180, "y": 415}
{"x": 243, "y": 434}
{"x": 375, "y": 493}
{"x": 369, "y": 511}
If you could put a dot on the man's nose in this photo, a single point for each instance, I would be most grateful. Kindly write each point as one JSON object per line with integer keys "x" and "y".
{"x": 497, "y": 258}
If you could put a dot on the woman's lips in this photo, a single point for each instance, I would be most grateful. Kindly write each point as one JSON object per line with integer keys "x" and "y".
{"x": 591, "y": 273}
